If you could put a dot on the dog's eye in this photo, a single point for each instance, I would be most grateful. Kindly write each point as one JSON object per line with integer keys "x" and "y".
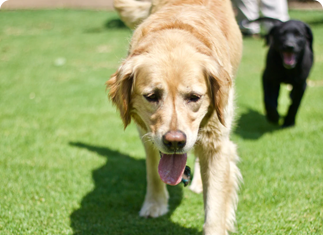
{"x": 193, "y": 98}
{"x": 152, "y": 97}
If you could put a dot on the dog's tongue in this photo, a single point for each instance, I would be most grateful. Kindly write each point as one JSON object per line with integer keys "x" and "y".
{"x": 171, "y": 168}
{"x": 289, "y": 58}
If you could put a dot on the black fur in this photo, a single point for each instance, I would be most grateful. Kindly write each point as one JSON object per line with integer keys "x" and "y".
{"x": 289, "y": 60}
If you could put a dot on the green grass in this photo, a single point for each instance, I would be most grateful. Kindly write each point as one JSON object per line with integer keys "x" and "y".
{"x": 67, "y": 166}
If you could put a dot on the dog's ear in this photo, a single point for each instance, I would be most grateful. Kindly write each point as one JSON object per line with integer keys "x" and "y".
{"x": 269, "y": 37}
{"x": 220, "y": 82}
{"x": 120, "y": 88}
{"x": 309, "y": 36}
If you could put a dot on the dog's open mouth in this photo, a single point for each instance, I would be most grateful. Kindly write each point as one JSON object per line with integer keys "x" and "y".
{"x": 289, "y": 59}
{"x": 171, "y": 167}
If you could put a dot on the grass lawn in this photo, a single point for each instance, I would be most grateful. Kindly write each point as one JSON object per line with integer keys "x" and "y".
{"x": 67, "y": 166}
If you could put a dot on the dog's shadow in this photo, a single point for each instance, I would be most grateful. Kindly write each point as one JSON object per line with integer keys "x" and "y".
{"x": 315, "y": 22}
{"x": 115, "y": 24}
{"x": 110, "y": 24}
{"x": 253, "y": 125}
{"x": 112, "y": 206}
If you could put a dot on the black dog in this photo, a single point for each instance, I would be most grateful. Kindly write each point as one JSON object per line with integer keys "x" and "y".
{"x": 289, "y": 60}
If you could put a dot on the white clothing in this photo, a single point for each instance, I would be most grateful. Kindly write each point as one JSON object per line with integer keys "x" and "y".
{"x": 251, "y": 9}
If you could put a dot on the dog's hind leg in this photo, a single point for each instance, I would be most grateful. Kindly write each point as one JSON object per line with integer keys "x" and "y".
{"x": 296, "y": 97}
{"x": 196, "y": 185}
{"x": 156, "y": 199}
{"x": 271, "y": 93}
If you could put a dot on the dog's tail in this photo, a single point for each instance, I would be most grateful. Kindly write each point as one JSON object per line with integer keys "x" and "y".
{"x": 268, "y": 19}
{"x": 274, "y": 21}
{"x": 262, "y": 19}
{"x": 132, "y": 12}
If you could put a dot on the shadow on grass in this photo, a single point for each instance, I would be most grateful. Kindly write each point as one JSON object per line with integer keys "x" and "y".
{"x": 113, "y": 205}
{"x": 115, "y": 24}
{"x": 109, "y": 24}
{"x": 252, "y": 125}
{"x": 315, "y": 22}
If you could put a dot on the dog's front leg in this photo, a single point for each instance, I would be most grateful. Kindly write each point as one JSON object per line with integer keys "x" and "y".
{"x": 271, "y": 93}
{"x": 156, "y": 199}
{"x": 220, "y": 177}
{"x": 296, "y": 97}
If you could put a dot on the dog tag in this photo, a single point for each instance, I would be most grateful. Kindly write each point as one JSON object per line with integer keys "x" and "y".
{"x": 186, "y": 178}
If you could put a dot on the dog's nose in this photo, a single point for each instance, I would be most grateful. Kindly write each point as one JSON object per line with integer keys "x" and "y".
{"x": 174, "y": 140}
{"x": 290, "y": 46}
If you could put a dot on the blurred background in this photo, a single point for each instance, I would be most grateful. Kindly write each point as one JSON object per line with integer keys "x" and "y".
{"x": 108, "y": 4}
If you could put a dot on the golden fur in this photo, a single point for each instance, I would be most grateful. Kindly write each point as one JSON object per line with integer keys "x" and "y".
{"x": 184, "y": 48}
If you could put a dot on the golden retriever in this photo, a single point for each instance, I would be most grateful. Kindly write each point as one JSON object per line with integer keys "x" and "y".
{"x": 177, "y": 86}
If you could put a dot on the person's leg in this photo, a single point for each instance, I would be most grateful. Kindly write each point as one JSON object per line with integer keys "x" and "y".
{"x": 277, "y": 9}
{"x": 247, "y": 10}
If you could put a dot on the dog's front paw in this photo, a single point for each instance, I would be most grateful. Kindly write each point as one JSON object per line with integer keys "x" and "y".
{"x": 288, "y": 125}
{"x": 154, "y": 208}
{"x": 289, "y": 121}
{"x": 273, "y": 117}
